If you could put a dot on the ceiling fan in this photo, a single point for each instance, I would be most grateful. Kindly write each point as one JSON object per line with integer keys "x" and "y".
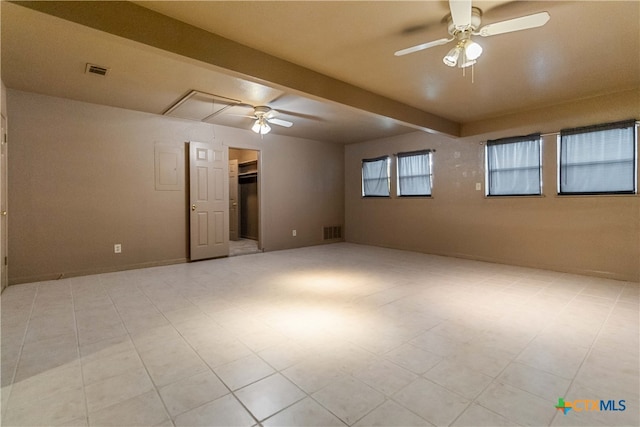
{"x": 264, "y": 116}
{"x": 464, "y": 22}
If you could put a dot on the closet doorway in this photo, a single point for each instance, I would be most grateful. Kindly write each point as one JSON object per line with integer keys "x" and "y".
{"x": 244, "y": 203}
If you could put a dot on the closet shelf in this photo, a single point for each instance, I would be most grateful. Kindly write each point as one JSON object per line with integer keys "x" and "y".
{"x": 248, "y": 162}
{"x": 247, "y": 174}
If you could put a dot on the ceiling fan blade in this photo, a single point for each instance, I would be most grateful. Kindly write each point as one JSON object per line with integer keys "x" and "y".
{"x": 422, "y": 46}
{"x": 280, "y": 122}
{"x": 460, "y": 13}
{"x": 516, "y": 24}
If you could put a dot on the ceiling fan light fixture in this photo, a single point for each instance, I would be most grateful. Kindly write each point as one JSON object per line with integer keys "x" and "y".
{"x": 451, "y": 59}
{"x": 472, "y": 50}
{"x": 261, "y": 127}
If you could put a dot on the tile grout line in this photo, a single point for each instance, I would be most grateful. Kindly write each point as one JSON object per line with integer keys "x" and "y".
{"x": 201, "y": 359}
{"x": 18, "y": 361}
{"x": 474, "y": 400}
{"x": 115, "y": 306}
{"x": 75, "y": 324}
{"x": 590, "y": 349}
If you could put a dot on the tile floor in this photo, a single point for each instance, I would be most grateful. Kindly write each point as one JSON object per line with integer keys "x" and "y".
{"x": 330, "y": 335}
{"x": 243, "y": 247}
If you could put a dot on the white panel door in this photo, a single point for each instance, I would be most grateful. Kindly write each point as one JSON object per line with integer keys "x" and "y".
{"x": 209, "y": 196}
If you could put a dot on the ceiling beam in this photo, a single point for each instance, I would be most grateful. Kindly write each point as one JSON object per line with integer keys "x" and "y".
{"x": 133, "y": 22}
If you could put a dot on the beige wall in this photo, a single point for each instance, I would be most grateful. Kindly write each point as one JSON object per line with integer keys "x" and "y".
{"x": 82, "y": 179}
{"x": 588, "y": 235}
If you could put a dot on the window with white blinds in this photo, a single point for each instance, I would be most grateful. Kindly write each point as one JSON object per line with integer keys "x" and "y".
{"x": 375, "y": 177}
{"x": 514, "y": 166}
{"x": 598, "y": 159}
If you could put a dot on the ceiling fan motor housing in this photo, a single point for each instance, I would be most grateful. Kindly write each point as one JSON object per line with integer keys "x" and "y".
{"x": 261, "y": 111}
{"x": 476, "y": 19}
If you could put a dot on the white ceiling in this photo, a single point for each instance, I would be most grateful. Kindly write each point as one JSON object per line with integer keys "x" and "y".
{"x": 586, "y": 49}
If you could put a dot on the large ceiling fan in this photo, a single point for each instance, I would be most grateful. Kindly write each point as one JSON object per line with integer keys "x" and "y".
{"x": 264, "y": 116}
{"x": 464, "y": 22}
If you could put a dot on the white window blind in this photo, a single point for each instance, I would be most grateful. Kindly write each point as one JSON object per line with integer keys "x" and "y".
{"x": 414, "y": 173}
{"x": 598, "y": 159}
{"x": 514, "y": 166}
{"x": 375, "y": 177}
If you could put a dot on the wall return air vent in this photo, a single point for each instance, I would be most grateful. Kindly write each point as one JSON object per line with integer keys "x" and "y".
{"x": 332, "y": 233}
{"x": 96, "y": 69}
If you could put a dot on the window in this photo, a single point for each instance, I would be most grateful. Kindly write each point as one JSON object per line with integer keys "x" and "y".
{"x": 514, "y": 166}
{"x": 414, "y": 173}
{"x": 375, "y": 177}
{"x": 598, "y": 159}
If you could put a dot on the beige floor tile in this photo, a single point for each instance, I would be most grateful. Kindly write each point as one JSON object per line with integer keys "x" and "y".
{"x": 390, "y": 414}
{"x": 224, "y": 352}
{"x": 94, "y": 333}
{"x": 244, "y": 371}
{"x": 517, "y": 405}
{"x": 191, "y": 392}
{"x": 540, "y": 383}
{"x": 116, "y": 389}
{"x": 41, "y": 356}
{"x": 98, "y": 369}
{"x": 55, "y": 409}
{"x": 455, "y": 376}
{"x": 312, "y": 375}
{"x": 162, "y": 336}
{"x": 305, "y": 413}
{"x": 384, "y": 376}
{"x": 283, "y": 355}
{"x": 172, "y": 363}
{"x": 352, "y": 325}
{"x": 554, "y": 357}
{"x": 478, "y": 416}
{"x": 349, "y": 399}
{"x": 223, "y": 412}
{"x": 269, "y": 395}
{"x": 47, "y": 384}
{"x": 413, "y": 358}
{"x": 105, "y": 348}
{"x": 434, "y": 403}
{"x": 143, "y": 410}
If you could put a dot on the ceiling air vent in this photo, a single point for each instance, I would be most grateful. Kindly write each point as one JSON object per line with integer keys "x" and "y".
{"x": 96, "y": 69}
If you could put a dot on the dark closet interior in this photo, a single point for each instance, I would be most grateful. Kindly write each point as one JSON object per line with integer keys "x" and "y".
{"x": 247, "y": 182}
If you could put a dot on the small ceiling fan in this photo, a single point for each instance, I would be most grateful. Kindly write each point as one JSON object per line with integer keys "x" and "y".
{"x": 264, "y": 116}
{"x": 463, "y": 22}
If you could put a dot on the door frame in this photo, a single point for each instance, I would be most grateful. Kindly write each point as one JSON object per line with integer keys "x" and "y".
{"x": 241, "y": 146}
{"x": 4, "y": 201}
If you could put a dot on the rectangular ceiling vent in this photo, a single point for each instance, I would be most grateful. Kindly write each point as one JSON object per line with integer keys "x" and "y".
{"x": 96, "y": 69}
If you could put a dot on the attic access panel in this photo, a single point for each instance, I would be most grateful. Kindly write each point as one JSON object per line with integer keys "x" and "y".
{"x": 201, "y": 106}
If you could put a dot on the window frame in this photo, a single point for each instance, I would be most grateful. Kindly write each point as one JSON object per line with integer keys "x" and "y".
{"x": 537, "y": 137}
{"x": 362, "y": 178}
{"x": 599, "y": 128}
{"x": 429, "y": 154}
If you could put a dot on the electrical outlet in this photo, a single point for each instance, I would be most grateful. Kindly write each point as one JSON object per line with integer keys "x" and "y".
{"x": 294, "y": 233}
{"x": 478, "y": 186}
{"x": 117, "y": 248}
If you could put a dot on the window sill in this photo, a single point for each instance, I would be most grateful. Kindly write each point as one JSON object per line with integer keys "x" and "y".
{"x": 516, "y": 196}
{"x": 581, "y": 196}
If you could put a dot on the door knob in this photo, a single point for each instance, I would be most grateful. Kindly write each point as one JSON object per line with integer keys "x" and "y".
{"x": 234, "y": 204}
{"x": 193, "y": 207}
{"x": 3, "y": 213}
